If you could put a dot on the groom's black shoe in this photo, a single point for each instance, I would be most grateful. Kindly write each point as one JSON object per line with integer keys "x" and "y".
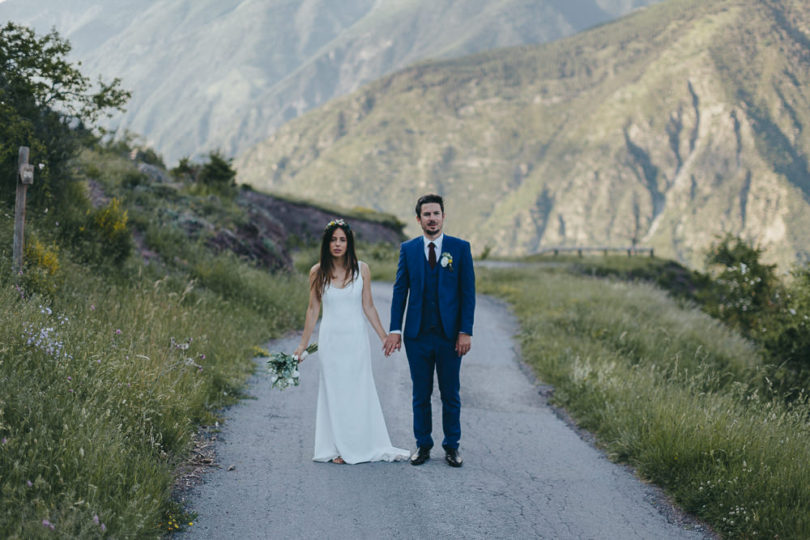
{"x": 421, "y": 455}
{"x": 452, "y": 457}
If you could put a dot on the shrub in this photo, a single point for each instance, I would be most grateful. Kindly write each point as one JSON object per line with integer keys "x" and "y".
{"x": 184, "y": 170}
{"x": 217, "y": 172}
{"x": 41, "y": 273}
{"x": 787, "y": 334}
{"x": 748, "y": 290}
{"x": 105, "y": 238}
{"x": 133, "y": 178}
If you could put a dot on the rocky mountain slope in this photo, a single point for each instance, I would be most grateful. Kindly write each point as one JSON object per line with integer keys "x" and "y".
{"x": 666, "y": 128}
{"x": 226, "y": 73}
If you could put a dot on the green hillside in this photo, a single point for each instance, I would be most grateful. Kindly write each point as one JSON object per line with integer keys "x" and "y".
{"x": 138, "y": 308}
{"x": 226, "y": 73}
{"x": 669, "y": 127}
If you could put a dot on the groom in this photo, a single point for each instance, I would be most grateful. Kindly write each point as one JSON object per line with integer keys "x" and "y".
{"x": 435, "y": 275}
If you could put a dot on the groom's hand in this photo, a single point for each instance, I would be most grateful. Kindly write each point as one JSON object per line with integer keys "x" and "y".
{"x": 463, "y": 344}
{"x": 392, "y": 343}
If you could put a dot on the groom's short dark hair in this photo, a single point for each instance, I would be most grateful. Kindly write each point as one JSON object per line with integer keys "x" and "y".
{"x": 429, "y": 198}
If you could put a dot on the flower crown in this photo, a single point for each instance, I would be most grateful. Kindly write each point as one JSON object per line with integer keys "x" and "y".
{"x": 337, "y": 223}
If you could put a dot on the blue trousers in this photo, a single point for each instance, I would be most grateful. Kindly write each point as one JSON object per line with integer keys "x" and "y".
{"x": 425, "y": 353}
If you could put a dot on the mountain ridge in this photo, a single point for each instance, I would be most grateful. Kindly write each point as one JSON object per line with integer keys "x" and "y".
{"x": 225, "y": 74}
{"x": 670, "y": 127}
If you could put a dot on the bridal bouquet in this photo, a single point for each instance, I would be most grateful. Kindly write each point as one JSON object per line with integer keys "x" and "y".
{"x": 283, "y": 367}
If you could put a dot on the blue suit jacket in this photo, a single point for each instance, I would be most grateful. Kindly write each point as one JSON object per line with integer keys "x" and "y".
{"x": 456, "y": 288}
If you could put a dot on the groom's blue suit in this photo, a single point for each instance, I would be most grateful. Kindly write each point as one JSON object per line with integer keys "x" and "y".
{"x": 440, "y": 305}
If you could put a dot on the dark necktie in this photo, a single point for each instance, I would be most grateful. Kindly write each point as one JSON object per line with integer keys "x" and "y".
{"x": 432, "y": 255}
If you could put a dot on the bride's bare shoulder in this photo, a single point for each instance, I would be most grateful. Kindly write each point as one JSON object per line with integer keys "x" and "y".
{"x": 314, "y": 269}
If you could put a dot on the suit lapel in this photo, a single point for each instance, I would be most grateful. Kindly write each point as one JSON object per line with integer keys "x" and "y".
{"x": 418, "y": 255}
{"x": 447, "y": 247}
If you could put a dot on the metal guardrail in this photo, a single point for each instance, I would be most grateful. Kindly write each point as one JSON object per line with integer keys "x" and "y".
{"x": 580, "y": 250}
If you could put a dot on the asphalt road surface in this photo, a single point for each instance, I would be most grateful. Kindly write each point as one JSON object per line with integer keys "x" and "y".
{"x": 526, "y": 473}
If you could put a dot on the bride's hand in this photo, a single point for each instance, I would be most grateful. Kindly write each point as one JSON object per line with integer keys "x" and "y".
{"x": 392, "y": 343}
{"x": 298, "y": 352}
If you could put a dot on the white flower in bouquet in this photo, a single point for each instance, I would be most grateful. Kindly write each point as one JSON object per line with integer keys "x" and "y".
{"x": 283, "y": 368}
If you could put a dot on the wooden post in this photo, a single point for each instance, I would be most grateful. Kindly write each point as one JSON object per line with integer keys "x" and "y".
{"x": 25, "y": 177}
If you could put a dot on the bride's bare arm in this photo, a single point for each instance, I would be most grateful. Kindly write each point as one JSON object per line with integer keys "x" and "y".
{"x": 313, "y": 310}
{"x": 368, "y": 303}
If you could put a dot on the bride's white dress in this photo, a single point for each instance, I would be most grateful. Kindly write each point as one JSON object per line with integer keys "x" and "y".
{"x": 349, "y": 422}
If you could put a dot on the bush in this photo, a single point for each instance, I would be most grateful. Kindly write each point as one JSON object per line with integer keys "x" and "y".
{"x": 750, "y": 297}
{"x": 41, "y": 272}
{"x": 133, "y": 179}
{"x": 105, "y": 238}
{"x": 787, "y": 336}
{"x": 748, "y": 291}
{"x": 217, "y": 172}
{"x": 184, "y": 170}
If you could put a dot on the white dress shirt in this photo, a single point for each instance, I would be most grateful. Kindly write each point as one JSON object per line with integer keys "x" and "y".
{"x": 437, "y": 242}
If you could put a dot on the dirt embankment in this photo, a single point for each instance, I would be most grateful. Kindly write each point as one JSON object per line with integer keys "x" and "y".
{"x": 290, "y": 223}
{"x": 275, "y": 226}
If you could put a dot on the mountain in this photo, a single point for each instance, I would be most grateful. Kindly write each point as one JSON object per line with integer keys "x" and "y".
{"x": 225, "y": 74}
{"x": 668, "y": 127}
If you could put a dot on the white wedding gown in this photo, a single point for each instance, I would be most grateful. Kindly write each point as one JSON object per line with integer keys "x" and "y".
{"x": 349, "y": 422}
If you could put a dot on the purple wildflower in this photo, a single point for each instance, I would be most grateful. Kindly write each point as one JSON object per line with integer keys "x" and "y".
{"x": 103, "y": 528}
{"x": 117, "y": 331}
{"x": 95, "y": 519}
{"x": 29, "y": 483}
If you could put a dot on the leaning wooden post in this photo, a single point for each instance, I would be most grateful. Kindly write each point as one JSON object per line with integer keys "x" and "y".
{"x": 25, "y": 177}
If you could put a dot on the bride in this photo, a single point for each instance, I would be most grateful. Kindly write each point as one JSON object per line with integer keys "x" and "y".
{"x": 349, "y": 424}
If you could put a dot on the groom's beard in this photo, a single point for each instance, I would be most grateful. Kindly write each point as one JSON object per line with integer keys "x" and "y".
{"x": 432, "y": 228}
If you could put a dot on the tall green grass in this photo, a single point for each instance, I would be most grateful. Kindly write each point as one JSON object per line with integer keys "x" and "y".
{"x": 671, "y": 391}
{"x": 105, "y": 383}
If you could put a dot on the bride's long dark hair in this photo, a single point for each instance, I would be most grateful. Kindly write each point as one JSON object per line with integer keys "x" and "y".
{"x": 324, "y": 274}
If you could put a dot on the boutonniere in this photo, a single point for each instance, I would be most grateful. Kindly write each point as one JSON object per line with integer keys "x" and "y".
{"x": 446, "y": 261}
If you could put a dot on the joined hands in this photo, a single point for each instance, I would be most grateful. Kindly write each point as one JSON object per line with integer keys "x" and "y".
{"x": 392, "y": 343}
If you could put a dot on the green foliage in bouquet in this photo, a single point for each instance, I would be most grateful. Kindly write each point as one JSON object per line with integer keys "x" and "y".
{"x": 283, "y": 368}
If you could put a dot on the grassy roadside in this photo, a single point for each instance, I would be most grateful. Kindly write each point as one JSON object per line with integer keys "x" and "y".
{"x": 105, "y": 383}
{"x": 670, "y": 391}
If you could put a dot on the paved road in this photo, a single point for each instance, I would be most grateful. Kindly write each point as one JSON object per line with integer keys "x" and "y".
{"x": 526, "y": 473}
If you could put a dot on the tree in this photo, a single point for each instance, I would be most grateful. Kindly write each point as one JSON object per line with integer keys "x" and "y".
{"x": 218, "y": 172}
{"x": 46, "y": 103}
{"x": 748, "y": 289}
